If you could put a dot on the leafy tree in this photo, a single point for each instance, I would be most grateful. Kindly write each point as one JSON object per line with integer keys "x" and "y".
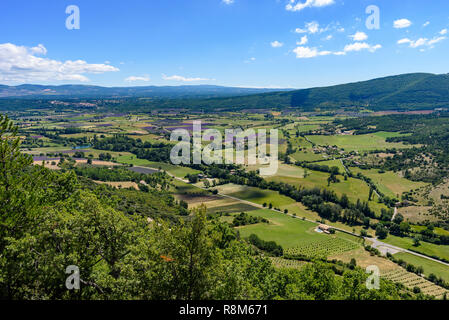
{"x": 381, "y": 231}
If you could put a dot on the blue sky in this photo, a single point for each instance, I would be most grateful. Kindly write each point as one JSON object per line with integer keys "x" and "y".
{"x": 252, "y": 43}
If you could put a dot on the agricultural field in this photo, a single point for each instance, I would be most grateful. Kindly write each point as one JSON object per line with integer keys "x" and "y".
{"x": 425, "y": 248}
{"x": 411, "y": 280}
{"x": 417, "y": 214}
{"x": 364, "y": 259}
{"x": 177, "y": 171}
{"x": 286, "y": 264}
{"x": 284, "y": 170}
{"x": 334, "y": 163}
{"x": 429, "y": 266}
{"x": 293, "y": 233}
{"x": 391, "y": 271}
{"x": 360, "y": 143}
{"x": 389, "y": 183}
{"x": 354, "y": 188}
{"x": 255, "y": 195}
{"x": 120, "y": 184}
{"x": 323, "y": 248}
{"x": 308, "y": 156}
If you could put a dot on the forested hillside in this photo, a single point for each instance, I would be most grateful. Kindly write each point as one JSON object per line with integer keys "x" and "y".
{"x": 407, "y": 92}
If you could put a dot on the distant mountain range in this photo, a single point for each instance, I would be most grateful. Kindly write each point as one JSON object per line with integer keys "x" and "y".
{"x": 414, "y": 91}
{"x": 164, "y": 92}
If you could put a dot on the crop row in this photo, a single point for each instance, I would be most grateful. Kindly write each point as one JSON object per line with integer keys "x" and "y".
{"x": 285, "y": 263}
{"x": 323, "y": 248}
{"x": 411, "y": 280}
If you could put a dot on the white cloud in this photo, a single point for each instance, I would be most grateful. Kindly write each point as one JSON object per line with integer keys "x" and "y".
{"x": 303, "y": 41}
{"x": 306, "y": 52}
{"x": 183, "y": 79}
{"x": 314, "y": 27}
{"x": 21, "y": 64}
{"x": 228, "y": 1}
{"x": 310, "y": 27}
{"x": 329, "y": 37}
{"x": 276, "y": 44}
{"x": 137, "y": 78}
{"x": 402, "y": 23}
{"x": 39, "y": 49}
{"x": 443, "y": 32}
{"x": 295, "y": 5}
{"x": 421, "y": 42}
{"x": 359, "y": 36}
{"x": 426, "y": 24}
{"x": 436, "y": 40}
{"x": 418, "y": 43}
{"x": 358, "y": 46}
{"x": 405, "y": 40}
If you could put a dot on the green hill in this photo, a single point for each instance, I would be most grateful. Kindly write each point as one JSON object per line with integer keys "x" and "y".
{"x": 415, "y": 91}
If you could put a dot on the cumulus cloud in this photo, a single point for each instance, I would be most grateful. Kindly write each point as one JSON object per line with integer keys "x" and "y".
{"x": 422, "y": 42}
{"x": 402, "y": 23}
{"x": 310, "y": 27}
{"x": 39, "y": 50}
{"x": 443, "y": 32}
{"x": 228, "y": 1}
{"x": 426, "y": 24}
{"x": 314, "y": 27}
{"x": 295, "y": 5}
{"x": 183, "y": 79}
{"x": 359, "y": 36}
{"x": 24, "y": 64}
{"x": 306, "y": 52}
{"x": 359, "y": 46}
{"x": 303, "y": 41}
{"x": 276, "y": 44}
{"x": 137, "y": 78}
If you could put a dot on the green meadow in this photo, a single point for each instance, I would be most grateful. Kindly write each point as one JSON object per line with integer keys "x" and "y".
{"x": 425, "y": 248}
{"x": 360, "y": 143}
{"x": 354, "y": 188}
{"x": 429, "y": 266}
{"x": 255, "y": 195}
{"x": 287, "y": 231}
{"x": 389, "y": 183}
{"x": 177, "y": 171}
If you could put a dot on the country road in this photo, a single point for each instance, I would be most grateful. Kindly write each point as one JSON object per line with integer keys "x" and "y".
{"x": 395, "y": 213}
{"x": 381, "y": 246}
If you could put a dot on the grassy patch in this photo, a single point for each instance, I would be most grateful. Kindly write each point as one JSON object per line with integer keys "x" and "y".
{"x": 429, "y": 266}
{"x": 177, "y": 171}
{"x": 425, "y": 248}
{"x": 389, "y": 183}
{"x": 354, "y": 188}
{"x": 255, "y": 195}
{"x": 287, "y": 231}
{"x": 365, "y": 142}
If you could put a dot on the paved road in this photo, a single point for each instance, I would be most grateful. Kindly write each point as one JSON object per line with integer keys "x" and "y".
{"x": 377, "y": 243}
{"x": 381, "y": 246}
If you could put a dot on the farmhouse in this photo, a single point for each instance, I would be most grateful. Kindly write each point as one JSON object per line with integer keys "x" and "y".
{"x": 324, "y": 228}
